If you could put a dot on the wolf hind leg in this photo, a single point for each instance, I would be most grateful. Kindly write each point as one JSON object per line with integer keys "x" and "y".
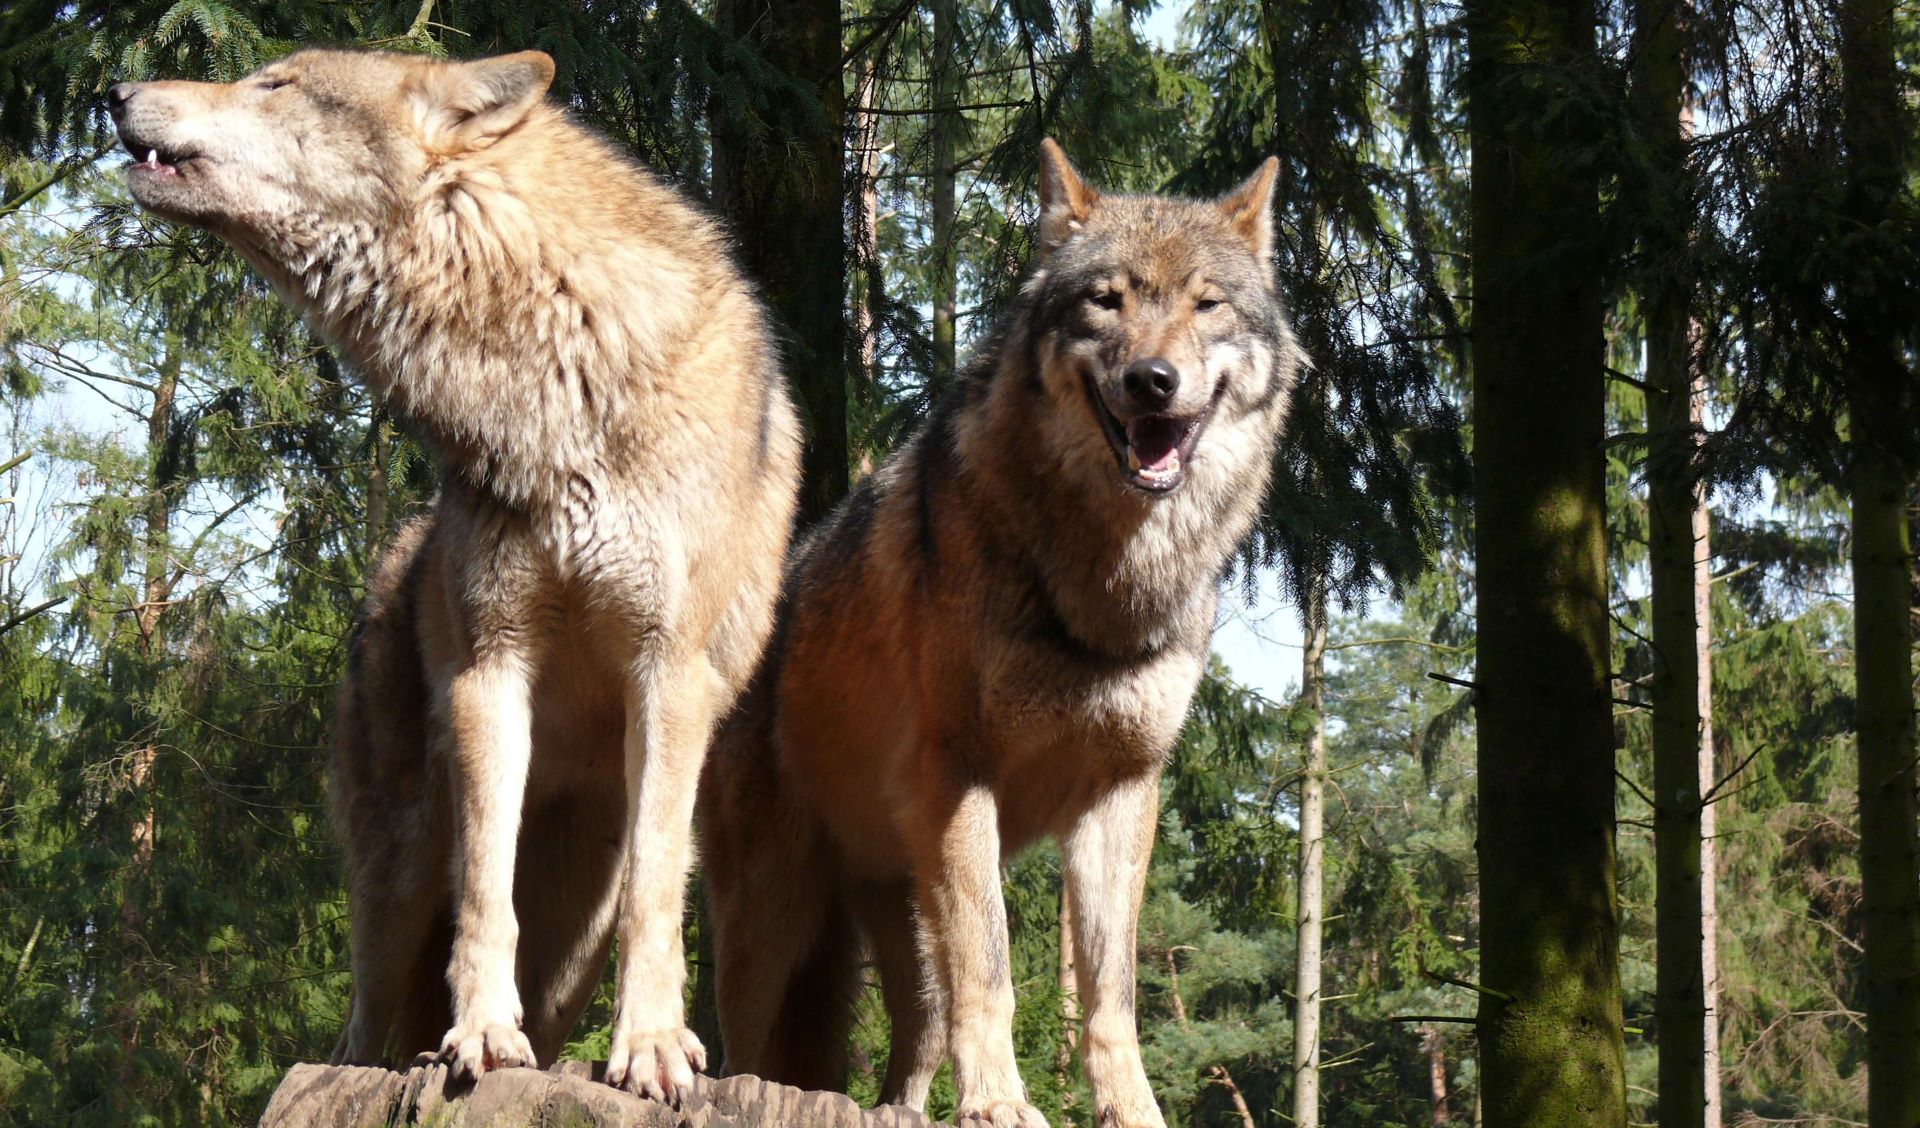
{"x": 916, "y": 1012}
{"x": 393, "y": 938}
{"x": 785, "y": 947}
{"x": 392, "y": 822}
{"x": 787, "y": 995}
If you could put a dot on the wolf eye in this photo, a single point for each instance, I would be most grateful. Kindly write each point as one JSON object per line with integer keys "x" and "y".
{"x": 1108, "y": 299}
{"x": 275, "y": 83}
{"x": 1207, "y": 305}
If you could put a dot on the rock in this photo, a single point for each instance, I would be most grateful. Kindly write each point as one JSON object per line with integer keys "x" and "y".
{"x": 570, "y": 1095}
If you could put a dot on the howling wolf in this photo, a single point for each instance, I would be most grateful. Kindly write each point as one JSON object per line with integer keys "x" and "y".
{"x": 543, "y": 657}
{"x": 993, "y": 640}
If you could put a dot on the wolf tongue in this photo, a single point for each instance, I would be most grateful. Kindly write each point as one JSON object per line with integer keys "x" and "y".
{"x": 1155, "y": 441}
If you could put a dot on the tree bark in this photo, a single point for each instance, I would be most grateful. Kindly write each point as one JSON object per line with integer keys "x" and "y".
{"x": 944, "y": 124}
{"x": 379, "y": 459}
{"x": 783, "y": 198}
{"x": 1313, "y": 779}
{"x": 1069, "y": 1007}
{"x": 1435, "y": 1047}
{"x": 156, "y": 585}
{"x": 1680, "y": 569}
{"x": 866, "y": 238}
{"x": 1218, "y": 1072}
{"x": 1883, "y": 672}
{"x": 1875, "y": 129}
{"x": 1550, "y": 1022}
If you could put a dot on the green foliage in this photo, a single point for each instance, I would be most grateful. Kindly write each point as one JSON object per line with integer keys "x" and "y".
{"x": 177, "y": 582}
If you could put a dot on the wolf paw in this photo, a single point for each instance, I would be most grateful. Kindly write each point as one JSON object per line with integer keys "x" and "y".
{"x": 1000, "y": 1114}
{"x": 475, "y": 1047}
{"x": 658, "y": 1064}
{"x": 1132, "y": 1114}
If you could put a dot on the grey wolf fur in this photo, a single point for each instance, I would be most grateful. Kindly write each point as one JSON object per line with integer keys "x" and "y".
{"x": 995, "y": 639}
{"x": 544, "y": 657}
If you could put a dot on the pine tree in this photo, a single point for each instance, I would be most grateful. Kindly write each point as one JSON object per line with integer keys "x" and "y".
{"x": 1550, "y": 1007}
{"x": 1679, "y": 563}
{"x": 779, "y": 180}
{"x": 1880, "y": 399}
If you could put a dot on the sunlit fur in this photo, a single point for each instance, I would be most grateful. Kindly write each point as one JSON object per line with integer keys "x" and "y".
{"x": 544, "y": 655}
{"x": 995, "y": 640}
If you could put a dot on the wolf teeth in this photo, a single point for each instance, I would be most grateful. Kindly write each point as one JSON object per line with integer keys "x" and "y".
{"x": 1133, "y": 460}
{"x": 153, "y": 158}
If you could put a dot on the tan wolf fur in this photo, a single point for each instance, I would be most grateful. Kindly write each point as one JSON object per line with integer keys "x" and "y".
{"x": 545, "y": 656}
{"x": 994, "y": 640}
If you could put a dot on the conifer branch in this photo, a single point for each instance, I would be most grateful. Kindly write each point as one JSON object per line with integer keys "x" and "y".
{"x": 1713, "y": 793}
{"x": 1628, "y": 780}
{"x": 30, "y": 613}
{"x": 60, "y": 172}
{"x": 1476, "y": 988}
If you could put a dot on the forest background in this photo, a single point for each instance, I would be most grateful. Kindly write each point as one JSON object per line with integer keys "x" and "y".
{"x": 1701, "y": 250}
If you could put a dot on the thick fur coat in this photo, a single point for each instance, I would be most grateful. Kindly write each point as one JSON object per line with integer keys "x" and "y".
{"x": 995, "y": 640}
{"x": 545, "y": 655}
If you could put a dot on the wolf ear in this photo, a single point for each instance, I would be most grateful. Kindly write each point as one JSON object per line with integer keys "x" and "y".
{"x": 470, "y": 105}
{"x": 1065, "y": 199}
{"x": 1249, "y": 208}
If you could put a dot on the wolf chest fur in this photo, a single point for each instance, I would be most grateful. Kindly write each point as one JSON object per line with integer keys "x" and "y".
{"x": 995, "y": 640}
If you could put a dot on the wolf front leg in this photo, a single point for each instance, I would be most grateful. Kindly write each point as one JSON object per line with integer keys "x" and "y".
{"x": 489, "y": 710}
{"x": 957, "y": 870}
{"x": 1105, "y": 861}
{"x": 670, "y": 716}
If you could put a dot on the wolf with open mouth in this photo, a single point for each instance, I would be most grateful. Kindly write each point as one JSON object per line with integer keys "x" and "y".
{"x": 542, "y": 656}
{"x": 995, "y": 640}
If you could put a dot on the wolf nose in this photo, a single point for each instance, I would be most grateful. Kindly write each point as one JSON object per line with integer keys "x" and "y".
{"x": 1152, "y": 382}
{"x": 117, "y": 96}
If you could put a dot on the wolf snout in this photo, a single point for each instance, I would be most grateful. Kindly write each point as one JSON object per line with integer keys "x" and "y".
{"x": 120, "y": 107}
{"x": 118, "y": 95}
{"x": 1152, "y": 383}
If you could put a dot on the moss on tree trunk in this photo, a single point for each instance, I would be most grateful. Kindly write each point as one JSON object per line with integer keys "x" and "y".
{"x": 1550, "y": 1016}
{"x": 1875, "y": 127}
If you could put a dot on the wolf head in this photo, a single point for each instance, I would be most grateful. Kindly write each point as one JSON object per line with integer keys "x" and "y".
{"x": 1158, "y": 326}
{"x": 317, "y": 140}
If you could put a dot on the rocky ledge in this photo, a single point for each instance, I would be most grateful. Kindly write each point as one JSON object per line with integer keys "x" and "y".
{"x": 570, "y": 1095}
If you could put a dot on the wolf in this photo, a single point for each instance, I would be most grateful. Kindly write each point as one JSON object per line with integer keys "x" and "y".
{"x": 995, "y": 639}
{"x": 544, "y": 656}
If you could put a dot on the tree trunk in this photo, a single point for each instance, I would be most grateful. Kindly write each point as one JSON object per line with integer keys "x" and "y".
{"x": 1549, "y": 1026}
{"x": 1219, "y": 1073}
{"x": 1435, "y": 1048}
{"x": 379, "y": 459}
{"x": 156, "y": 589}
{"x": 783, "y": 197}
{"x": 1680, "y": 568}
{"x": 1880, "y": 479}
{"x": 945, "y": 122}
{"x": 1709, "y": 819}
{"x": 156, "y": 585}
{"x": 866, "y": 211}
{"x": 1069, "y": 1008}
{"x": 1883, "y": 672}
{"x": 1313, "y": 778}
